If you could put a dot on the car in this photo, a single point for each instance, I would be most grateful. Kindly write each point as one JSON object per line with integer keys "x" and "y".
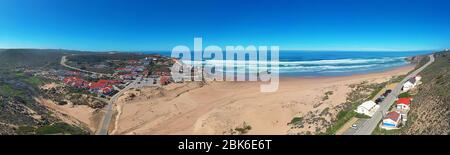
{"x": 354, "y": 126}
{"x": 379, "y": 100}
{"x": 388, "y": 91}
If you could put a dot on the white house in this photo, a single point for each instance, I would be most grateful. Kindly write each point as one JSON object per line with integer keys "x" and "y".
{"x": 411, "y": 83}
{"x": 403, "y": 103}
{"x": 391, "y": 120}
{"x": 418, "y": 78}
{"x": 367, "y": 108}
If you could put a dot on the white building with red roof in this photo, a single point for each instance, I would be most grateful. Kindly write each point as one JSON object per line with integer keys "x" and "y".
{"x": 403, "y": 103}
{"x": 391, "y": 120}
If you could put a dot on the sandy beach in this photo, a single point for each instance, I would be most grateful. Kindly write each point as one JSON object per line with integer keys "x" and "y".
{"x": 219, "y": 107}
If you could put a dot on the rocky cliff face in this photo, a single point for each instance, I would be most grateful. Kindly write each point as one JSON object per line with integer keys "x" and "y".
{"x": 430, "y": 110}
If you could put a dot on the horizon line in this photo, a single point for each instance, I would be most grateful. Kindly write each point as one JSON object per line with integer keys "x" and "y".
{"x": 286, "y": 50}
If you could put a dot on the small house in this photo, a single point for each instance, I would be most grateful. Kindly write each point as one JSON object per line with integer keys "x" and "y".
{"x": 367, "y": 108}
{"x": 403, "y": 103}
{"x": 418, "y": 78}
{"x": 391, "y": 120}
{"x": 411, "y": 83}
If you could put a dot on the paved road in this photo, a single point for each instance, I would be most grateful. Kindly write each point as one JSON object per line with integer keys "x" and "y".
{"x": 63, "y": 63}
{"x": 366, "y": 126}
{"x": 104, "y": 126}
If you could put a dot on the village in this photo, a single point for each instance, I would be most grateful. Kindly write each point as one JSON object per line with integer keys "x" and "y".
{"x": 140, "y": 71}
{"x": 397, "y": 115}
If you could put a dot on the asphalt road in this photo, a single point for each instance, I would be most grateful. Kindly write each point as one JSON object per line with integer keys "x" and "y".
{"x": 63, "y": 63}
{"x": 104, "y": 126}
{"x": 103, "y": 130}
{"x": 366, "y": 126}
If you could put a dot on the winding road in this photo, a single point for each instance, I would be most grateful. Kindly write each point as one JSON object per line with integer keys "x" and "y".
{"x": 63, "y": 63}
{"x": 366, "y": 127}
{"x": 104, "y": 125}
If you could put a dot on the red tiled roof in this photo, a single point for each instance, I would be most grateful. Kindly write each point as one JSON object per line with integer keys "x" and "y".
{"x": 96, "y": 85}
{"x": 406, "y": 101}
{"x": 392, "y": 115}
{"x": 107, "y": 89}
{"x": 164, "y": 80}
{"x": 74, "y": 81}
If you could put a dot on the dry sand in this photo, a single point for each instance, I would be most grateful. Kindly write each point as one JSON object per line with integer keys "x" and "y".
{"x": 73, "y": 114}
{"x": 218, "y": 107}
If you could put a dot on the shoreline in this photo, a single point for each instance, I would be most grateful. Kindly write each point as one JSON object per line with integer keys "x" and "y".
{"x": 342, "y": 76}
{"x": 220, "y": 107}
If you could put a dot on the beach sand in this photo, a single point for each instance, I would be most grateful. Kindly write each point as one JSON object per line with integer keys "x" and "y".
{"x": 73, "y": 114}
{"x": 220, "y": 107}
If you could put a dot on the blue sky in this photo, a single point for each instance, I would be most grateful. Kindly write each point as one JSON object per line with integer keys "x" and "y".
{"x": 130, "y": 25}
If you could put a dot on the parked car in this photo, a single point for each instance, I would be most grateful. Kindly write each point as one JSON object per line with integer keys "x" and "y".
{"x": 354, "y": 126}
{"x": 387, "y": 92}
{"x": 379, "y": 100}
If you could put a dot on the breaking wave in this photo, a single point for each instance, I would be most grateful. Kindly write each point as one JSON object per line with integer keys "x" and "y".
{"x": 309, "y": 66}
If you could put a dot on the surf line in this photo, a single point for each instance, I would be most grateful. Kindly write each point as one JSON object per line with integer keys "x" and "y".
{"x": 187, "y": 70}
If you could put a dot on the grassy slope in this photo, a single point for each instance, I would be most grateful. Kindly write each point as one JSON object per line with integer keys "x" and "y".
{"x": 17, "y": 89}
{"x": 430, "y": 113}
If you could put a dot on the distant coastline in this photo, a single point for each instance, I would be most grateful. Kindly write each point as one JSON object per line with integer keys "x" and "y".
{"x": 319, "y": 63}
{"x": 331, "y": 63}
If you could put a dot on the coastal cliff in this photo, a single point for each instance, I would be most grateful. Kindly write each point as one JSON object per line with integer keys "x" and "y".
{"x": 430, "y": 110}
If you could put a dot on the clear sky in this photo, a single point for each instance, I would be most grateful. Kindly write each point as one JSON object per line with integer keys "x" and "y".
{"x": 130, "y": 25}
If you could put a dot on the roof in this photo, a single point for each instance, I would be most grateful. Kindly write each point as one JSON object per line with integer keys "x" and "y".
{"x": 75, "y": 81}
{"x": 408, "y": 83}
{"x": 107, "y": 89}
{"x": 412, "y": 80}
{"x": 368, "y": 105}
{"x": 406, "y": 101}
{"x": 393, "y": 115}
{"x": 97, "y": 85}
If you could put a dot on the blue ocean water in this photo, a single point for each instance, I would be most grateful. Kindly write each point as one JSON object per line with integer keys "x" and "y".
{"x": 327, "y": 63}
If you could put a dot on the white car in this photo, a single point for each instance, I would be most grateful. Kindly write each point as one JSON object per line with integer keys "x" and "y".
{"x": 354, "y": 126}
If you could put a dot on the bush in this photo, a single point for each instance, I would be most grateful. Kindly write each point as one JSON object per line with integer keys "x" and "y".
{"x": 296, "y": 120}
{"x": 404, "y": 95}
{"x": 244, "y": 129}
{"x": 25, "y": 130}
{"x": 60, "y": 128}
{"x": 358, "y": 115}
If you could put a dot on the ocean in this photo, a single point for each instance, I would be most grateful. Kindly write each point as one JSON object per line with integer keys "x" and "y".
{"x": 326, "y": 63}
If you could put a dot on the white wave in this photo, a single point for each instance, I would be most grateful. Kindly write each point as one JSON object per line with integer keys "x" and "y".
{"x": 294, "y": 63}
{"x": 338, "y": 65}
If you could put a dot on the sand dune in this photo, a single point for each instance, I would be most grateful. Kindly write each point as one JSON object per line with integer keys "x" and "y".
{"x": 218, "y": 107}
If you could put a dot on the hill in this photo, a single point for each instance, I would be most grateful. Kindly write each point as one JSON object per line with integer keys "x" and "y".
{"x": 20, "y": 112}
{"x": 30, "y": 57}
{"x": 430, "y": 110}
